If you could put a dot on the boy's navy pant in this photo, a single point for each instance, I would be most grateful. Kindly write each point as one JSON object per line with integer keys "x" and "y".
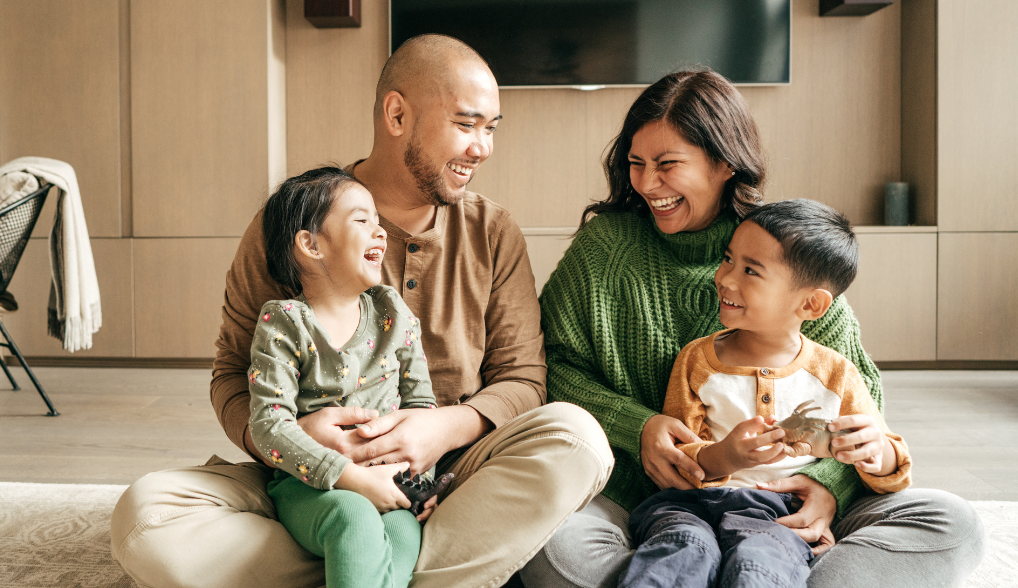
{"x": 722, "y": 537}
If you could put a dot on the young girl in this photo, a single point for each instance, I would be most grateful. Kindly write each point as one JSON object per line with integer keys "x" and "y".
{"x": 344, "y": 341}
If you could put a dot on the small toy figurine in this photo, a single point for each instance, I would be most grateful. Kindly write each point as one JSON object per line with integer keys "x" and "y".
{"x": 420, "y": 488}
{"x": 806, "y": 435}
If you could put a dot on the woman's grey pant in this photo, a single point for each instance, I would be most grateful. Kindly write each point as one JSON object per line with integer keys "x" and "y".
{"x": 922, "y": 538}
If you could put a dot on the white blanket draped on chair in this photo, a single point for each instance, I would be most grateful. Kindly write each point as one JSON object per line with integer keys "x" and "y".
{"x": 75, "y": 311}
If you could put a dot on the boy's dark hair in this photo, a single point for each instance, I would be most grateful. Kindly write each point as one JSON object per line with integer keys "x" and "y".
{"x": 820, "y": 247}
{"x": 300, "y": 203}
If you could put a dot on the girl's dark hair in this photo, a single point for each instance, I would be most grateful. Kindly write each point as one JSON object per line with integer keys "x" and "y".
{"x": 299, "y": 204}
{"x": 708, "y": 112}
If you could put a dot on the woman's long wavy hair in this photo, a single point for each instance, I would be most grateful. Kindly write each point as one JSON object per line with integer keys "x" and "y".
{"x": 707, "y": 111}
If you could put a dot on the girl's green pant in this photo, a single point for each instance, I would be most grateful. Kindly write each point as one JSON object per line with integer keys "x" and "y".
{"x": 362, "y": 549}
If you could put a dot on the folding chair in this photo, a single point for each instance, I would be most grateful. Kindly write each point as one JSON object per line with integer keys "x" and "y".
{"x": 16, "y": 223}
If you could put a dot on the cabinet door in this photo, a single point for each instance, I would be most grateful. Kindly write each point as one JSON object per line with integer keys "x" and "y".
{"x": 977, "y": 302}
{"x": 895, "y": 296}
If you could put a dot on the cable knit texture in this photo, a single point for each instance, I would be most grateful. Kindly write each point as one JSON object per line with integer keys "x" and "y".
{"x": 620, "y": 306}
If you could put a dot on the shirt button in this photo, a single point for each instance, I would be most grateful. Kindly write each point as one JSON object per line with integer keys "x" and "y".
{"x": 412, "y": 248}
{"x": 765, "y": 371}
{"x": 411, "y": 284}
{"x": 766, "y": 399}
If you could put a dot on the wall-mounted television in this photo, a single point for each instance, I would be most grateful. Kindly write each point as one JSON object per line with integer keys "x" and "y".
{"x": 592, "y": 43}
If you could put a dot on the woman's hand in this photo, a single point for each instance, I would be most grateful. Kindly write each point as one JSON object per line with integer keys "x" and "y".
{"x": 813, "y": 521}
{"x": 866, "y": 446}
{"x": 661, "y": 459}
{"x": 375, "y": 484}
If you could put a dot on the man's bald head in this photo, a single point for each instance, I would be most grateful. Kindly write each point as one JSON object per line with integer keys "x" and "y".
{"x": 424, "y": 63}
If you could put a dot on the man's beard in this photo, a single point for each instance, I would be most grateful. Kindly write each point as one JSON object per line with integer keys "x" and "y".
{"x": 429, "y": 181}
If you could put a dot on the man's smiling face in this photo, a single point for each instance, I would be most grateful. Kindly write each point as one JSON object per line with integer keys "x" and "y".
{"x": 453, "y": 133}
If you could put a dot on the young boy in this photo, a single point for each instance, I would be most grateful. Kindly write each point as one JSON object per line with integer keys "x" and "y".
{"x": 786, "y": 263}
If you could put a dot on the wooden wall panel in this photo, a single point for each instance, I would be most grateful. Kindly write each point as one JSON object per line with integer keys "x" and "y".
{"x": 919, "y": 107}
{"x": 199, "y": 104}
{"x": 978, "y": 119}
{"x": 31, "y": 283}
{"x": 545, "y": 251}
{"x": 179, "y": 285}
{"x": 60, "y": 97}
{"x": 834, "y": 134}
{"x": 330, "y": 86}
{"x": 977, "y": 313}
{"x": 895, "y": 295}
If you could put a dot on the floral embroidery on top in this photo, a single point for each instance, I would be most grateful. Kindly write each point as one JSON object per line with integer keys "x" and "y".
{"x": 266, "y": 317}
{"x": 371, "y": 344}
{"x": 275, "y": 456}
{"x": 386, "y": 323}
{"x": 311, "y": 347}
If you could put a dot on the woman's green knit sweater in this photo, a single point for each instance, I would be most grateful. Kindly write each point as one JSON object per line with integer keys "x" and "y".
{"x": 620, "y": 306}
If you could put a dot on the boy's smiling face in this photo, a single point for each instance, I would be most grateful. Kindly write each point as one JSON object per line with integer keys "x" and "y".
{"x": 755, "y": 286}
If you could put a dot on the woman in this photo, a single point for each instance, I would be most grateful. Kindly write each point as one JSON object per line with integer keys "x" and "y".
{"x": 635, "y": 286}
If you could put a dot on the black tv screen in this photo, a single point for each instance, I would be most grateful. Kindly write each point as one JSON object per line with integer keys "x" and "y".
{"x": 609, "y": 42}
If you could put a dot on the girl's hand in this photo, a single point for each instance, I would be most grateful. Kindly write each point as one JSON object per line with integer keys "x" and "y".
{"x": 661, "y": 459}
{"x": 375, "y": 483}
{"x": 866, "y": 447}
{"x": 749, "y": 444}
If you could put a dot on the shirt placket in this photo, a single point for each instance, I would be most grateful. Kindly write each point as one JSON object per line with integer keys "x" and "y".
{"x": 764, "y": 393}
{"x": 413, "y": 272}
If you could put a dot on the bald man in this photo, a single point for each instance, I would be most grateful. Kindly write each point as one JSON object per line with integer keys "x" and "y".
{"x": 461, "y": 265}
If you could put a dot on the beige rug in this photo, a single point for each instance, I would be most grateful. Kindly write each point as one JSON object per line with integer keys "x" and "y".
{"x": 58, "y": 535}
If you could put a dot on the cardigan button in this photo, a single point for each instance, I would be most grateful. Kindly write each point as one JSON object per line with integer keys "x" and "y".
{"x": 411, "y": 284}
{"x": 766, "y": 399}
{"x": 765, "y": 371}
{"x": 412, "y": 248}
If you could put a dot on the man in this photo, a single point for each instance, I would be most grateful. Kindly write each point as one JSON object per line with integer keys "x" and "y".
{"x": 461, "y": 265}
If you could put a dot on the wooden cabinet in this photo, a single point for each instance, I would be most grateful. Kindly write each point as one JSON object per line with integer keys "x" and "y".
{"x": 179, "y": 286}
{"x": 113, "y": 267}
{"x": 976, "y": 297}
{"x": 894, "y": 295}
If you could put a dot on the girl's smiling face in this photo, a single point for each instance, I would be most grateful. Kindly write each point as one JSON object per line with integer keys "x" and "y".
{"x": 681, "y": 185}
{"x": 351, "y": 244}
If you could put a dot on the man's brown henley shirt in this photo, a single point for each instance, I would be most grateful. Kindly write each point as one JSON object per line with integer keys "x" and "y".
{"x": 469, "y": 281}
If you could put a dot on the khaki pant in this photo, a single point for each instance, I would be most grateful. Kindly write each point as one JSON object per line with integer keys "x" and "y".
{"x": 214, "y": 526}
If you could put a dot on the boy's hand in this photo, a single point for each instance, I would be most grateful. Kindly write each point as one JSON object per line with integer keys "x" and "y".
{"x": 750, "y": 444}
{"x": 866, "y": 446}
{"x": 375, "y": 483}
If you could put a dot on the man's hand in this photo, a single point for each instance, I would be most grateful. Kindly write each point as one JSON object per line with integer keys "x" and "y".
{"x": 419, "y": 436}
{"x": 866, "y": 447}
{"x": 748, "y": 445}
{"x": 426, "y": 509}
{"x": 813, "y": 521}
{"x": 661, "y": 459}
{"x": 325, "y": 426}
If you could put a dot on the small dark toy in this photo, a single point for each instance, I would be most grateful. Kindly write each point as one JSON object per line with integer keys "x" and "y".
{"x": 420, "y": 488}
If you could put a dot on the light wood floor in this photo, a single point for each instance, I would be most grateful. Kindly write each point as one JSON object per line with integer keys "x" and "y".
{"x": 119, "y": 424}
